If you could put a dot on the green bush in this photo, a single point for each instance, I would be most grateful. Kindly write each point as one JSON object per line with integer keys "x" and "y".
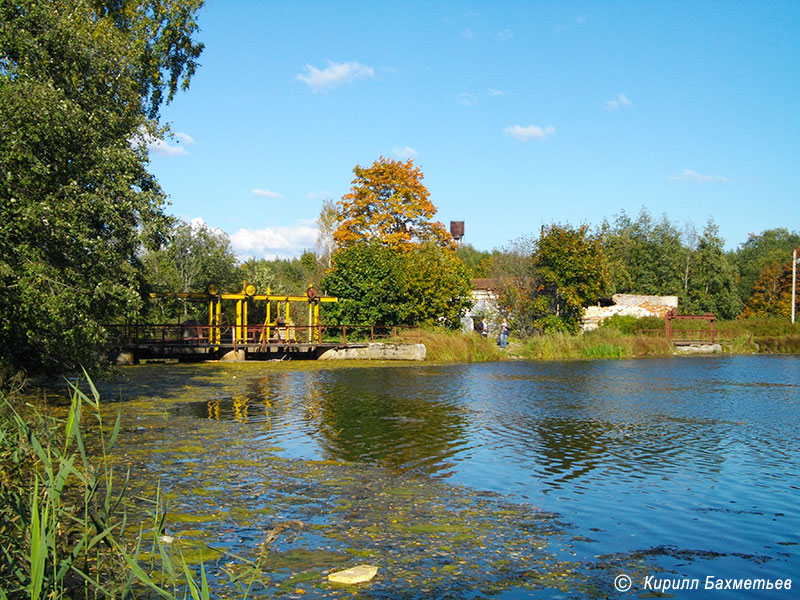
{"x": 631, "y": 325}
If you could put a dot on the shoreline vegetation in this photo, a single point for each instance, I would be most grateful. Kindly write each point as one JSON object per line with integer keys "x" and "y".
{"x": 618, "y": 338}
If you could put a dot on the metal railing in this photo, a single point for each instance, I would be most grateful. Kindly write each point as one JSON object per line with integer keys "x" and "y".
{"x": 701, "y": 336}
{"x": 173, "y": 334}
{"x": 374, "y": 333}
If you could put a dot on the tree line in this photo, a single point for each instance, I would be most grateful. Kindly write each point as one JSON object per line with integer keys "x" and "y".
{"x": 546, "y": 280}
{"x": 380, "y": 251}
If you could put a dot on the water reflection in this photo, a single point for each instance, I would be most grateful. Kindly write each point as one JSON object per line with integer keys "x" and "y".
{"x": 379, "y": 416}
{"x": 390, "y": 418}
{"x": 666, "y": 457}
{"x": 524, "y": 424}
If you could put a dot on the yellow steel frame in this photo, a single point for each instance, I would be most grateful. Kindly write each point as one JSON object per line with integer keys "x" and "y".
{"x": 243, "y": 298}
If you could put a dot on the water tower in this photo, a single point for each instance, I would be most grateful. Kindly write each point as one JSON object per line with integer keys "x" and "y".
{"x": 457, "y": 230}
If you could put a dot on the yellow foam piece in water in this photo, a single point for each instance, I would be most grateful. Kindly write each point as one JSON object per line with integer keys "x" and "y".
{"x": 359, "y": 574}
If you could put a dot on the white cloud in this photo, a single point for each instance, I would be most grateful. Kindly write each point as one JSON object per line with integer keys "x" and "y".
{"x": 531, "y": 132}
{"x": 319, "y": 194}
{"x": 157, "y": 145}
{"x": 619, "y": 102}
{"x": 405, "y": 153}
{"x": 334, "y": 75}
{"x": 163, "y": 148}
{"x": 493, "y": 92}
{"x": 275, "y": 242}
{"x": 504, "y": 35}
{"x": 266, "y": 194}
{"x": 185, "y": 138}
{"x": 198, "y": 223}
{"x": 467, "y": 99}
{"x": 687, "y": 175}
{"x": 468, "y": 34}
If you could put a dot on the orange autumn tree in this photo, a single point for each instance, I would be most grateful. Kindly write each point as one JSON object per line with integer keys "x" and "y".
{"x": 389, "y": 204}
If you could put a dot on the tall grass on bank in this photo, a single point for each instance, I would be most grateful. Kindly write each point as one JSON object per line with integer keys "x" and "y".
{"x": 787, "y": 344}
{"x": 627, "y": 337}
{"x": 618, "y": 337}
{"x": 442, "y": 345}
{"x": 62, "y": 511}
{"x": 601, "y": 343}
{"x": 63, "y": 516}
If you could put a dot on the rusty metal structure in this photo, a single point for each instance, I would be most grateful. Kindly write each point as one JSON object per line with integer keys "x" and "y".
{"x": 278, "y": 336}
{"x": 673, "y": 315}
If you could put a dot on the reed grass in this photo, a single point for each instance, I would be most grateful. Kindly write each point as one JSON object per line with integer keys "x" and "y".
{"x": 443, "y": 345}
{"x": 63, "y": 515}
{"x": 601, "y": 343}
{"x": 620, "y": 337}
{"x": 63, "y": 510}
{"x": 786, "y": 344}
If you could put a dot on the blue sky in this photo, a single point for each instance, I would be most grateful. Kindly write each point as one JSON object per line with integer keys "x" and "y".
{"x": 518, "y": 113}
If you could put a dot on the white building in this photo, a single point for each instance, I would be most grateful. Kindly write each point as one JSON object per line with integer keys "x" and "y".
{"x": 484, "y": 297}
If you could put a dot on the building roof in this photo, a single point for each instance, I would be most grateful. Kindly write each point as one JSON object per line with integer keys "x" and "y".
{"x": 485, "y": 283}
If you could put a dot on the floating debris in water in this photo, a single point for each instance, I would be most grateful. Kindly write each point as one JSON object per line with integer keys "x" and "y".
{"x": 353, "y": 575}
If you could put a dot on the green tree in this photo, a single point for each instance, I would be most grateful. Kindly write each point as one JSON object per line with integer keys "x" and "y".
{"x": 759, "y": 251}
{"x": 389, "y": 203}
{"x": 436, "y": 285}
{"x": 545, "y": 283}
{"x": 366, "y": 279}
{"x": 571, "y": 272}
{"x": 644, "y": 256}
{"x": 377, "y": 285}
{"x": 194, "y": 258}
{"x": 712, "y": 285}
{"x": 80, "y": 82}
{"x": 293, "y": 275}
{"x": 477, "y": 261}
{"x": 259, "y": 273}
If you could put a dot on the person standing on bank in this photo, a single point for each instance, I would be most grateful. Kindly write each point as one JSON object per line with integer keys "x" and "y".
{"x": 484, "y": 327}
{"x": 503, "y": 339}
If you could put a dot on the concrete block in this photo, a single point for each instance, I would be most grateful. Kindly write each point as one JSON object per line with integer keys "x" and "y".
{"x": 378, "y": 351}
{"x": 698, "y": 349}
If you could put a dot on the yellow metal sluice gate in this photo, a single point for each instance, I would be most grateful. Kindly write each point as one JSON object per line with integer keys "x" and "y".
{"x": 281, "y": 330}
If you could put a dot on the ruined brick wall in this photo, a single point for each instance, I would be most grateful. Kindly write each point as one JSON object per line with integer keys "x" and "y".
{"x": 629, "y": 305}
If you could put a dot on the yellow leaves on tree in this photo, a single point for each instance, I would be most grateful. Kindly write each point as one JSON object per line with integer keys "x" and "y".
{"x": 772, "y": 292}
{"x": 388, "y": 203}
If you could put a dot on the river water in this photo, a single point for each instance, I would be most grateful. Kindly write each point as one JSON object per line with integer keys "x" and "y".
{"x": 508, "y": 480}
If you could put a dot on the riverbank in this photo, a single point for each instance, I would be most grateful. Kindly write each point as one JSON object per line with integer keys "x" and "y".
{"x": 632, "y": 338}
{"x": 626, "y": 339}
